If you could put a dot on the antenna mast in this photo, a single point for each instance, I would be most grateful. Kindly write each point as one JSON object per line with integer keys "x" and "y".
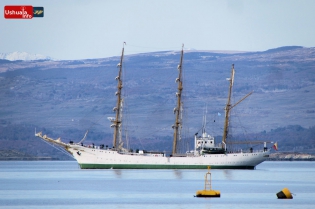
{"x": 178, "y": 109}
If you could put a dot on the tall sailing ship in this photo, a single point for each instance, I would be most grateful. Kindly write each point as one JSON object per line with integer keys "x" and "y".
{"x": 205, "y": 153}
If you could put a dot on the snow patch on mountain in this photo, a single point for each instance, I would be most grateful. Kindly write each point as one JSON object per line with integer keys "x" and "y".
{"x": 23, "y": 56}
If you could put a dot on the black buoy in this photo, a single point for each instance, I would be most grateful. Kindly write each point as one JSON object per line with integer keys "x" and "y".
{"x": 284, "y": 194}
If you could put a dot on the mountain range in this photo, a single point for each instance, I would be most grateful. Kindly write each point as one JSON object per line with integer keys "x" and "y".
{"x": 66, "y": 98}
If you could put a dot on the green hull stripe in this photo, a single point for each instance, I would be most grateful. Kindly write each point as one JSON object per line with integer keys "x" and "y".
{"x": 142, "y": 166}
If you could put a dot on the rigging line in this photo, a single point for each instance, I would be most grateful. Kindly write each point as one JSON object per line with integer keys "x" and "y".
{"x": 78, "y": 82}
{"x": 126, "y": 121}
{"x": 58, "y": 148}
{"x": 93, "y": 80}
{"x": 57, "y": 113}
{"x": 148, "y": 47}
{"x": 203, "y": 121}
{"x": 161, "y": 129}
{"x": 93, "y": 124}
{"x": 137, "y": 136}
{"x": 102, "y": 99}
{"x": 205, "y": 125}
{"x": 126, "y": 115}
{"x": 87, "y": 112}
{"x": 239, "y": 121}
{"x": 247, "y": 105}
{"x": 162, "y": 104}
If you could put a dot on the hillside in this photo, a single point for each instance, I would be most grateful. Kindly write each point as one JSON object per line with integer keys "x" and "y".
{"x": 66, "y": 98}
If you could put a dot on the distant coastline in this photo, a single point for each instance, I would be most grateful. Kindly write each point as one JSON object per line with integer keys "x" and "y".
{"x": 289, "y": 156}
{"x": 28, "y": 158}
{"x": 13, "y": 155}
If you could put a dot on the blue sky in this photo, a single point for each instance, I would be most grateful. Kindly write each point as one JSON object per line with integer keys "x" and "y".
{"x": 82, "y": 29}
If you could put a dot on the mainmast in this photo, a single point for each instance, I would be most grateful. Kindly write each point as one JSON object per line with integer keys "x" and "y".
{"x": 228, "y": 107}
{"x": 178, "y": 109}
{"x": 118, "y": 109}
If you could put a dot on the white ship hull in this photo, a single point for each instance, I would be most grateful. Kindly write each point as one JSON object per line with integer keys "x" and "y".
{"x": 205, "y": 152}
{"x": 90, "y": 158}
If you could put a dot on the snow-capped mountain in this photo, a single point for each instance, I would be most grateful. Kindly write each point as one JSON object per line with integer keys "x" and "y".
{"x": 23, "y": 56}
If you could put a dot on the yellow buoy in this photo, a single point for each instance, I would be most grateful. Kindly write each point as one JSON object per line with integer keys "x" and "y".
{"x": 284, "y": 194}
{"x": 208, "y": 192}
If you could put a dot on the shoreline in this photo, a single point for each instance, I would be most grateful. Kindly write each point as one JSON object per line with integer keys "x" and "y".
{"x": 29, "y": 159}
{"x": 289, "y": 156}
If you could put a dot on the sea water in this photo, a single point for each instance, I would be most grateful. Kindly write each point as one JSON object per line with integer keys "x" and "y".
{"x": 62, "y": 184}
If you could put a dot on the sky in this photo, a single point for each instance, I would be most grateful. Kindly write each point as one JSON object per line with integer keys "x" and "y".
{"x": 86, "y": 29}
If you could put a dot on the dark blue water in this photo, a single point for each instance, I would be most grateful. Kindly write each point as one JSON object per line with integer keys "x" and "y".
{"x": 39, "y": 184}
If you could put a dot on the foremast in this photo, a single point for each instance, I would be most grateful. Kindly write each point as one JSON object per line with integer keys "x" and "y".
{"x": 178, "y": 109}
{"x": 228, "y": 107}
{"x": 116, "y": 124}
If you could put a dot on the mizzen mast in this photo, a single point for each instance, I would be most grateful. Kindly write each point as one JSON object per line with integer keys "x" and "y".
{"x": 228, "y": 107}
{"x": 178, "y": 109}
{"x": 118, "y": 109}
